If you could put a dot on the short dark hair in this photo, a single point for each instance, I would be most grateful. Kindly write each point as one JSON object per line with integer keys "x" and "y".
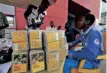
{"x": 51, "y": 22}
{"x": 90, "y": 17}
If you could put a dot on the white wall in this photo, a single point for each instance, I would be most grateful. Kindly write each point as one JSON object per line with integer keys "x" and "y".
{"x": 6, "y": 9}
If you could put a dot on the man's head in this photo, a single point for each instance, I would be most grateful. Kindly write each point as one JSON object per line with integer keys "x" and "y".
{"x": 59, "y": 27}
{"x": 51, "y": 24}
{"x": 67, "y": 25}
{"x": 86, "y": 20}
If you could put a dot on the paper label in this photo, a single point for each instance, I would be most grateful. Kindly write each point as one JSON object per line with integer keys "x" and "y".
{"x": 57, "y": 36}
{"x": 57, "y": 56}
{"x": 63, "y": 35}
{"x": 19, "y": 68}
{"x": 40, "y": 35}
{"x": 38, "y": 66}
{"x": 15, "y": 47}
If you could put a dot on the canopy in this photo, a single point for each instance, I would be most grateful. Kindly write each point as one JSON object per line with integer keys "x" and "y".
{"x": 21, "y": 3}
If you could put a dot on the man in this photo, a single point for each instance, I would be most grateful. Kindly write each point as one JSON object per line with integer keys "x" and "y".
{"x": 3, "y": 24}
{"x": 59, "y": 28}
{"x": 70, "y": 33}
{"x": 92, "y": 46}
{"x": 52, "y": 26}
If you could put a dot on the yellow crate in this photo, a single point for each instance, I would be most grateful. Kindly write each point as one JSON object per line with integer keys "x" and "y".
{"x": 35, "y": 43}
{"x": 52, "y": 56}
{"x": 61, "y": 34}
{"x": 35, "y": 34}
{"x": 14, "y": 36}
{"x": 52, "y": 36}
{"x": 19, "y": 36}
{"x": 63, "y": 53}
{"x": 19, "y": 68}
{"x": 37, "y": 62}
{"x": 53, "y": 46}
{"x": 19, "y": 62}
{"x": 53, "y": 65}
{"x": 22, "y": 36}
{"x": 62, "y": 42}
{"x": 21, "y": 45}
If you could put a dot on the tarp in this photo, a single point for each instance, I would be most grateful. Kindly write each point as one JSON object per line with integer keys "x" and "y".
{"x": 21, "y": 3}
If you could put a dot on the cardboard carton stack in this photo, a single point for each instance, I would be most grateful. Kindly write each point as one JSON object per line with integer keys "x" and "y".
{"x": 37, "y": 61}
{"x": 20, "y": 48}
{"x": 38, "y": 50}
{"x": 35, "y": 38}
{"x": 63, "y": 48}
{"x": 51, "y": 43}
{"x": 19, "y": 40}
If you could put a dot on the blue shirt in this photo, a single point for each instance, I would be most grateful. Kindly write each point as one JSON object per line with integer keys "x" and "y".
{"x": 92, "y": 42}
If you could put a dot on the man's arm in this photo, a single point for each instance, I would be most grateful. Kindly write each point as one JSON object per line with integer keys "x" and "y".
{"x": 78, "y": 40}
{"x": 91, "y": 51}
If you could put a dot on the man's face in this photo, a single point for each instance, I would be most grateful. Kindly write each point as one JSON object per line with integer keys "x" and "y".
{"x": 51, "y": 24}
{"x": 81, "y": 23}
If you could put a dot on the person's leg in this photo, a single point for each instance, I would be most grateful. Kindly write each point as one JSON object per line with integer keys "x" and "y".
{"x": 88, "y": 65}
{"x": 69, "y": 65}
{"x": 5, "y": 67}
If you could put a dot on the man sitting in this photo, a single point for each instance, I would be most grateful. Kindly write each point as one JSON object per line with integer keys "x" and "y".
{"x": 92, "y": 42}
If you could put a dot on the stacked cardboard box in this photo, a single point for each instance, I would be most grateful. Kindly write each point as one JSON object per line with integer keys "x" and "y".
{"x": 20, "y": 47}
{"x": 19, "y": 40}
{"x": 53, "y": 61}
{"x": 51, "y": 43}
{"x": 35, "y": 38}
{"x": 19, "y": 62}
{"x": 37, "y": 61}
{"x": 51, "y": 40}
{"x": 63, "y": 49}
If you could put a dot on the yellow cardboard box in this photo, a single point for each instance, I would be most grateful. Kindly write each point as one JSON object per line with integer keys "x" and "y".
{"x": 35, "y": 43}
{"x": 51, "y": 36}
{"x": 19, "y": 62}
{"x": 62, "y": 42}
{"x": 35, "y": 34}
{"x": 14, "y": 36}
{"x": 53, "y": 61}
{"x": 63, "y": 54}
{"x": 22, "y": 45}
{"x": 37, "y": 61}
{"x": 53, "y": 46}
{"x": 19, "y": 36}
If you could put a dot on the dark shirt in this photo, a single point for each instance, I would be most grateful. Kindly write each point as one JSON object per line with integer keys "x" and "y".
{"x": 71, "y": 34}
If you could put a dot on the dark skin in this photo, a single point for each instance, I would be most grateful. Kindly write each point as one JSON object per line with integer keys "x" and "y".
{"x": 84, "y": 25}
{"x": 52, "y": 24}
